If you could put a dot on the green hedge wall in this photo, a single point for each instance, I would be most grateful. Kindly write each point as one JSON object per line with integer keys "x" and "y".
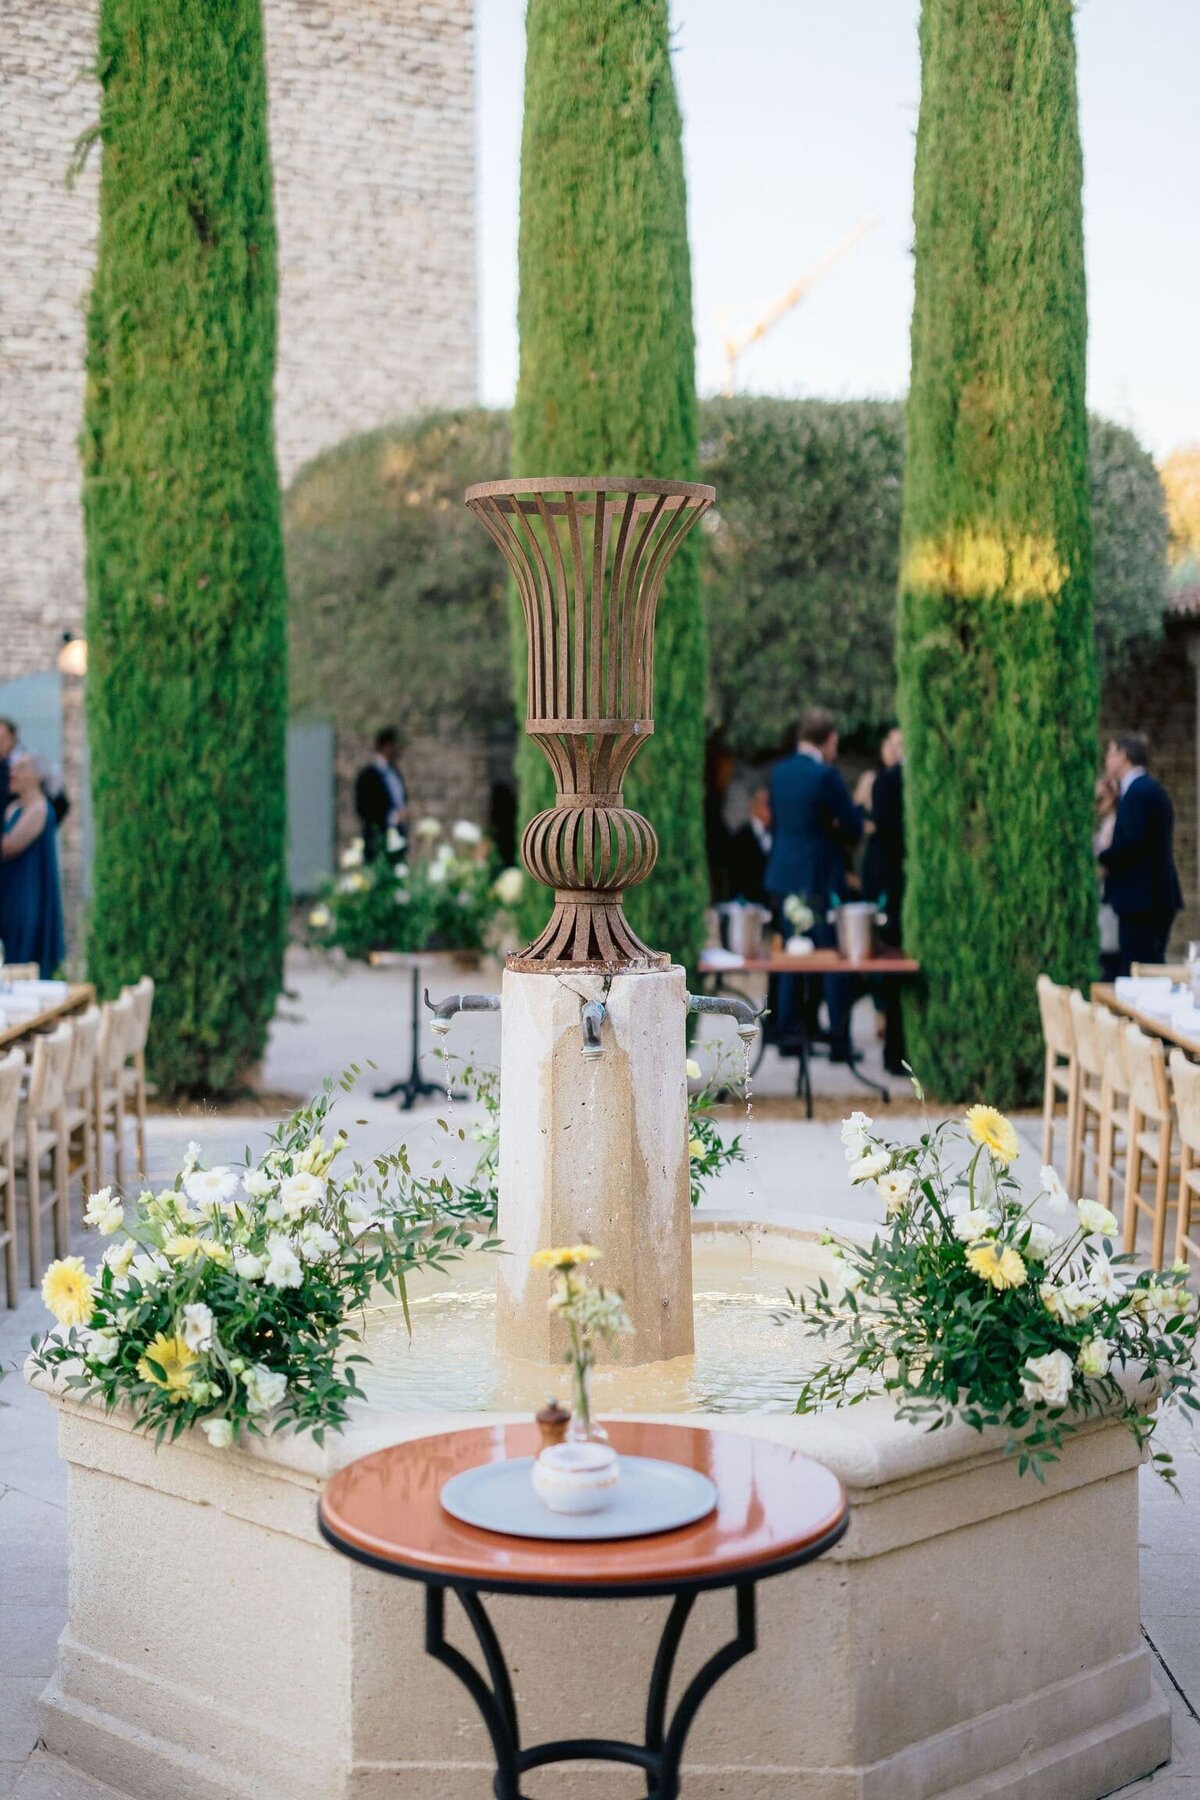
{"x": 186, "y": 604}
{"x": 995, "y": 654}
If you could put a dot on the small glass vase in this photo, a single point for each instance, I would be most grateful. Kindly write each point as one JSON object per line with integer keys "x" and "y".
{"x": 584, "y": 1428}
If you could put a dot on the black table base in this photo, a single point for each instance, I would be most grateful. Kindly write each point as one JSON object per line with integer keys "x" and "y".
{"x": 662, "y": 1752}
{"x": 414, "y": 1085}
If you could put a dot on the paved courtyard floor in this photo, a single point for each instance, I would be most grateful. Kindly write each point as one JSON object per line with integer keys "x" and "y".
{"x": 795, "y": 1174}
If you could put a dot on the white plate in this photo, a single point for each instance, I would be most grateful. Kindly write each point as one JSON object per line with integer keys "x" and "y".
{"x": 651, "y": 1496}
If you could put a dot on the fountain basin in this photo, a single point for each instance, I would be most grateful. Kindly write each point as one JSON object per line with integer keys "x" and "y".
{"x": 973, "y": 1631}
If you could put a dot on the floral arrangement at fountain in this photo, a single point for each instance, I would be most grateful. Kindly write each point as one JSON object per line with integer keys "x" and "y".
{"x": 449, "y": 894}
{"x": 981, "y": 1305}
{"x": 231, "y": 1299}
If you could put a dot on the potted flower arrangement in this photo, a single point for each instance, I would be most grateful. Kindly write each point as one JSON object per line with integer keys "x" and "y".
{"x": 979, "y": 1304}
{"x": 228, "y": 1300}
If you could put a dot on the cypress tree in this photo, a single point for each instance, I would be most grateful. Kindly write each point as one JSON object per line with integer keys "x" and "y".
{"x": 996, "y": 665}
{"x": 607, "y": 375}
{"x": 186, "y": 600}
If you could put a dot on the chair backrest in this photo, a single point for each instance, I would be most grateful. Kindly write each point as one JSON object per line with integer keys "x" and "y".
{"x": 1054, "y": 1006}
{"x": 83, "y": 1051}
{"x": 1168, "y": 971}
{"x": 1083, "y": 1030}
{"x": 1149, "y": 1091}
{"x": 1114, "y": 1058}
{"x": 1185, "y": 1079}
{"x": 19, "y": 971}
{"x": 48, "y": 1069}
{"x": 142, "y": 996}
{"x": 115, "y": 1025}
{"x": 12, "y": 1067}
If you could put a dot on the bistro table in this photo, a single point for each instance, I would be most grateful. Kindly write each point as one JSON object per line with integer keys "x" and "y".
{"x": 1156, "y": 1024}
{"x": 78, "y": 997}
{"x": 775, "y": 1510}
{"x": 414, "y": 1086}
{"x": 716, "y": 966}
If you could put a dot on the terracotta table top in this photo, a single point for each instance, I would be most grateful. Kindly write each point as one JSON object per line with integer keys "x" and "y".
{"x": 1152, "y": 1023}
{"x": 775, "y": 1508}
{"x": 79, "y": 995}
{"x": 817, "y": 962}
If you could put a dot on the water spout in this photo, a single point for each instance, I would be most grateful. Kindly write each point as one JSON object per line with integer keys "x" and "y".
{"x": 745, "y": 1014}
{"x": 591, "y": 1019}
{"x": 444, "y": 1010}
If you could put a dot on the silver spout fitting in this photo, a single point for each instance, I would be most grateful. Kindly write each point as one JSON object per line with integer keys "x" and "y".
{"x": 591, "y": 1019}
{"x": 742, "y": 1012}
{"x": 444, "y": 1010}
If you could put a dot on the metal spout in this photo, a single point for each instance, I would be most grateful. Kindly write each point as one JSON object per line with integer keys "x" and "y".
{"x": 444, "y": 1010}
{"x": 591, "y": 1019}
{"x": 745, "y": 1015}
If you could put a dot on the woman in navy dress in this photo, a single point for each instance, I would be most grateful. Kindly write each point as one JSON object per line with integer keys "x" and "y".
{"x": 31, "y": 917}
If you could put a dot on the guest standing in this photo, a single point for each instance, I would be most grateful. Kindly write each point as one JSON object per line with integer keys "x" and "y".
{"x": 816, "y": 825}
{"x": 380, "y": 797}
{"x": 31, "y": 918}
{"x": 883, "y": 880}
{"x": 749, "y": 848}
{"x": 8, "y": 743}
{"x": 1102, "y": 835}
{"x": 1141, "y": 882}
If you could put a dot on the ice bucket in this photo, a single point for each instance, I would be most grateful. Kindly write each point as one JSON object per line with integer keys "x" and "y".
{"x": 856, "y": 921}
{"x": 742, "y": 927}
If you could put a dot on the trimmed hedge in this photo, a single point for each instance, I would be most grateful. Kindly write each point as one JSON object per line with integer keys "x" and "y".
{"x": 995, "y": 653}
{"x": 186, "y": 602}
{"x": 607, "y": 377}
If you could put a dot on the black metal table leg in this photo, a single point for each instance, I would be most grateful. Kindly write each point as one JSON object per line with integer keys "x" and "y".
{"x": 414, "y": 1086}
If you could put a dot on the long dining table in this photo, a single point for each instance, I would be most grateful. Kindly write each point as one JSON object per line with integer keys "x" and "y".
{"x": 78, "y": 998}
{"x": 1154, "y": 1024}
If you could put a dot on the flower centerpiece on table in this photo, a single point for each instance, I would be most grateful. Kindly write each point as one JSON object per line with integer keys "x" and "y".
{"x": 580, "y": 1474}
{"x": 979, "y": 1304}
{"x": 447, "y": 894}
{"x": 228, "y": 1300}
{"x": 801, "y": 917}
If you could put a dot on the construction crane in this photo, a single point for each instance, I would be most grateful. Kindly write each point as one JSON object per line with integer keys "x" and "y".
{"x": 736, "y": 346}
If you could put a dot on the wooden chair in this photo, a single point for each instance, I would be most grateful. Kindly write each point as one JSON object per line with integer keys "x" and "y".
{"x": 133, "y": 1075}
{"x": 19, "y": 971}
{"x": 1089, "y": 1091}
{"x": 109, "y": 1111}
{"x": 45, "y": 1134}
{"x": 81, "y": 1098}
{"x": 1185, "y": 1079}
{"x": 1151, "y": 1129}
{"x": 12, "y": 1068}
{"x": 1062, "y": 1070}
{"x": 1114, "y": 1100}
{"x": 1167, "y": 971}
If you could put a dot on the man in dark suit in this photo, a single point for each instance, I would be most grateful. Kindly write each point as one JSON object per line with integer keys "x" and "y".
{"x": 1141, "y": 883}
{"x": 8, "y": 743}
{"x": 816, "y": 824}
{"x": 749, "y": 848}
{"x": 380, "y": 799}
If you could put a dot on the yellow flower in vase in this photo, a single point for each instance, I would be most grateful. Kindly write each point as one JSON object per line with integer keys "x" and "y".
{"x": 176, "y": 1362}
{"x": 998, "y": 1264}
{"x": 67, "y": 1290}
{"x": 994, "y": 1132}
{"x": 567, "y": 1256}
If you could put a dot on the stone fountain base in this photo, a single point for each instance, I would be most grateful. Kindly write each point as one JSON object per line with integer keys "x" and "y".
{"x": 974, "y": 1633}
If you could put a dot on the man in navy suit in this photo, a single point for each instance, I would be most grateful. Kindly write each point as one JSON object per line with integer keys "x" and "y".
{"x": 1141, "y": 882}
{"x": 816, "y": 824}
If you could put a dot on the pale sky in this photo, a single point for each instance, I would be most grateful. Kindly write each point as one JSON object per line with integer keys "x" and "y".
{"x": 799, "y": 120}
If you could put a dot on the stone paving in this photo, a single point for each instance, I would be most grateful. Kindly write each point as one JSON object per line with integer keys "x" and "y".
{"x": 795, "y": 1174}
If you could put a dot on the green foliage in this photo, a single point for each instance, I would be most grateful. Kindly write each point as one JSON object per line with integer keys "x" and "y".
{"x": 186, "y": 601}
{"x": 607, "y": 378}
{"x": 995, "y": 655}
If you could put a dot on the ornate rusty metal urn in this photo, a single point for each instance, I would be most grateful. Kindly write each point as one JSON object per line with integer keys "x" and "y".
{"x": 589, "y": 554}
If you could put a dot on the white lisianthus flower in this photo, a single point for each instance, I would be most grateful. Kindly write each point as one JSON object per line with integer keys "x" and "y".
{"x": 1043, "y": 1241}
{"x": 300, "y": 1192}
{"x": 869, "y": 1166}
{"x": 437, "y": 874}
{"x": 692, "y": 1069}
{"x": 1105, "y": 1279}
{"x": 975, "y": 1224}
{"x": 1094, "y": 1217}
{"x": 429, "y": 828}
{"x": 316, "y": 1242}
{"x": 894, "y": 1189}
{"x": 509, "y": 886}
{"x": 1067, "y": 1300}
{"x": 1047, "y": 1378}
{"x": 855, "y": 1132}
{"x": 273, "y": 1210}
{"x": 103, "y": 1346}
{"x": 393, "y": 841}
{"x": 352, "y": 855}
{"x": 465, "y": 831}
{"x": 360, "y": 1215}
{"x": 198, "y": 1324}
{"x": 283, "y": 1265}
{"x": 265, "y": 1387}
{"x": 249, "y": 1267}
{"x": 1094, "y": 1357}
{"x": 149, "y": 1267}
{"x": 119, "y": 1258}
{"x": 219, "y": 1432}
{"x": 104, "y": 1211}
{"x": 257, "y": 1183}
{"x": 212, "y": 1187}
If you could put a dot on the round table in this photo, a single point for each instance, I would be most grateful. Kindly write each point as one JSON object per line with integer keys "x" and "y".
{"x": 775, "y": 1510}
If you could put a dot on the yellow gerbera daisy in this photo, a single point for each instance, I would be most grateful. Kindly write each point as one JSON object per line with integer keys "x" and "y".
{"x": 997, "y": 1263}
{"x": 67, "y": 1290}
{"x": 565, "y": 1257}
{"x": 996, "y": 1133}
{"x": 175, "y": 1360}
{"x": 180, "y": 1247}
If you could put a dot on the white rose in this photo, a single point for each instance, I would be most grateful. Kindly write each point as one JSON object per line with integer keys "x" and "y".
{"x": 316, "y": 1242}
{"x": 1043, "y": 1242}
{"x": 300, "y": 1192}
{"x": 219, "y": 1432}
{"x": 509, "y": 886}
{"x": 1094, "y": 1217}
{"x": 1047, "y": 1378}
{"x": 976, "y": 1224}
{"x": 104, "y": 1212}
{"x": 1067, "y": 1300}
{"x": 103, "y": 1346}
{"x": 265, "y": 1387}
{"x": 894, "y": 1189}
{"x": 211, "y": 1187}
{"x": 869, "y": 1166}
{"x": 283, "y": 1265}
{"x": 198, "y": 1326}
{"x": 1094, "y": 1357}
{"x": 119, "y": 1258}
{"x": 149, "y": 1267}
{"x": 855, "y": 1131}
{"x": 257, "y": 1183}
{"x": 249, "y": 1267}
{"x": 464, "y": 831}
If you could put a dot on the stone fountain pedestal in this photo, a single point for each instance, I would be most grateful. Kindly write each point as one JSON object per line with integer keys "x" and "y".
{"x": 595, "y": 1150}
